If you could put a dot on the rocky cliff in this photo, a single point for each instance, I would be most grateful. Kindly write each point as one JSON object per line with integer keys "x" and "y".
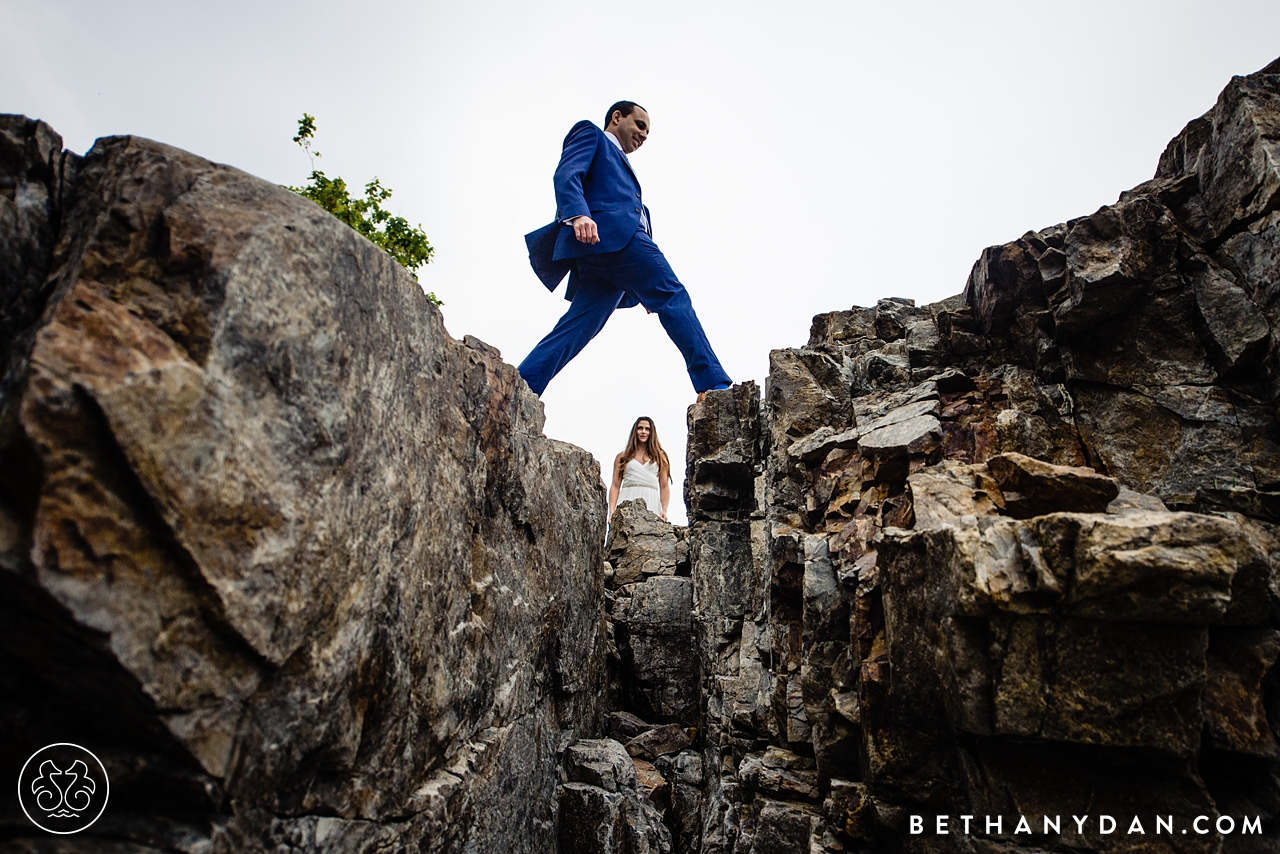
{"x": 298, "y": 565}
{"x": 1014, "y": 555}
{"x": 304, "y": 571}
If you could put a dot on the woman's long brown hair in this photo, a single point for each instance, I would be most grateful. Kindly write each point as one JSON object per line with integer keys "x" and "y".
{"x": 652, "y": 447}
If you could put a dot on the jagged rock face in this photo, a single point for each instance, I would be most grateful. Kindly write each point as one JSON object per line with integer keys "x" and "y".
{"x": 298, "y": 565}
{"x": 650, "y": 616}
{"x": 302, "y": 568}
{"x": 602, "y": 808}
{"x": 1016, "y": 553}
{"x": 1159, "y": 311}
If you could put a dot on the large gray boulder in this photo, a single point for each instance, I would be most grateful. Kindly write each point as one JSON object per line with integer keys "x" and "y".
{"x": 294, "y": 562}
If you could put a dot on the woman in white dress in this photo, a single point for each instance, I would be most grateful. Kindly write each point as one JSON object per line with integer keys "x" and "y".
{"x": 642, "y": 470}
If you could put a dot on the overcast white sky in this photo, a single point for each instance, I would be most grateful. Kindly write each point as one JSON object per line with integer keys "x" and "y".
{"x": 804, "y": 157}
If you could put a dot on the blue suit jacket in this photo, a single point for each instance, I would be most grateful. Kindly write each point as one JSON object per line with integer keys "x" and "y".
{"x": 593, "y": 179}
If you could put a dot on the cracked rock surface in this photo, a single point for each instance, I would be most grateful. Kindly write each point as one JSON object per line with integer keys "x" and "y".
{"x": 305, "y": 570}
{"x": 298, "y": 563}
{"x": 1016, "y": 553}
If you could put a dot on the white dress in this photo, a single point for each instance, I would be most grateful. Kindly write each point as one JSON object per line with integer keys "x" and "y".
{"x": 641, "y": 481}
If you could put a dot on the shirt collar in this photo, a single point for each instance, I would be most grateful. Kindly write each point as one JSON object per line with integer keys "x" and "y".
{"x": 625, "y": 158}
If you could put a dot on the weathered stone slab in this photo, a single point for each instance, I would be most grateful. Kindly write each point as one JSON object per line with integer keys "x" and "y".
{"x": 641, "y": 544}
{"x": 593, "y": 821}
{"x": 781, "y": 773}
{"x": 659, "y": 741}
{"x": 783, "y": 827}
{"x": 917, "y": 435}
{"x": 824, "y": 440}
{"x": 1032, "y": 487}
{"x": 943, "y": 494}
{"x": 662, "y": 605}
{"x": 624, "y": 726}
{"x": 600, "y": 762}
{"x": 654, "y": 626}
{"x": 1237, "y": 329}
{"x": 1128, "y": 501}
{"x": 1147, "y": 567}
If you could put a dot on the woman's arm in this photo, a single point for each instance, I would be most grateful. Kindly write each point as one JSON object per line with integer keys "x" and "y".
{"x": 614, "y": 489}
{"x": 664, "y": 492}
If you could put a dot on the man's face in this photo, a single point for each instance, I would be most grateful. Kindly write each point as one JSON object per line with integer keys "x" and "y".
{"x": 630, "y": 130}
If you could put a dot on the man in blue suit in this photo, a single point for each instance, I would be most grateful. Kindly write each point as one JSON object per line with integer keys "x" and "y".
{"x": 602, "y": 239}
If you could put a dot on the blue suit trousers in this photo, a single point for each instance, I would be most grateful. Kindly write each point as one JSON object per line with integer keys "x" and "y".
{"x": 639, "y": 270}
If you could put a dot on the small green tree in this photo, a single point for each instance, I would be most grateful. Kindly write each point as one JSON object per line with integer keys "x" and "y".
{"x": 401, "y": 241}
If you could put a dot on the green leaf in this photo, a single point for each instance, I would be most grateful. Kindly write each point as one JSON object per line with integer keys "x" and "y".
{"x": 306, "y": 128}
{"x": 406, "y": 244}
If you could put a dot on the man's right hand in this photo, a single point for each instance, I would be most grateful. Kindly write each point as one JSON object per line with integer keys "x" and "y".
{"x": 584, "y": 228}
